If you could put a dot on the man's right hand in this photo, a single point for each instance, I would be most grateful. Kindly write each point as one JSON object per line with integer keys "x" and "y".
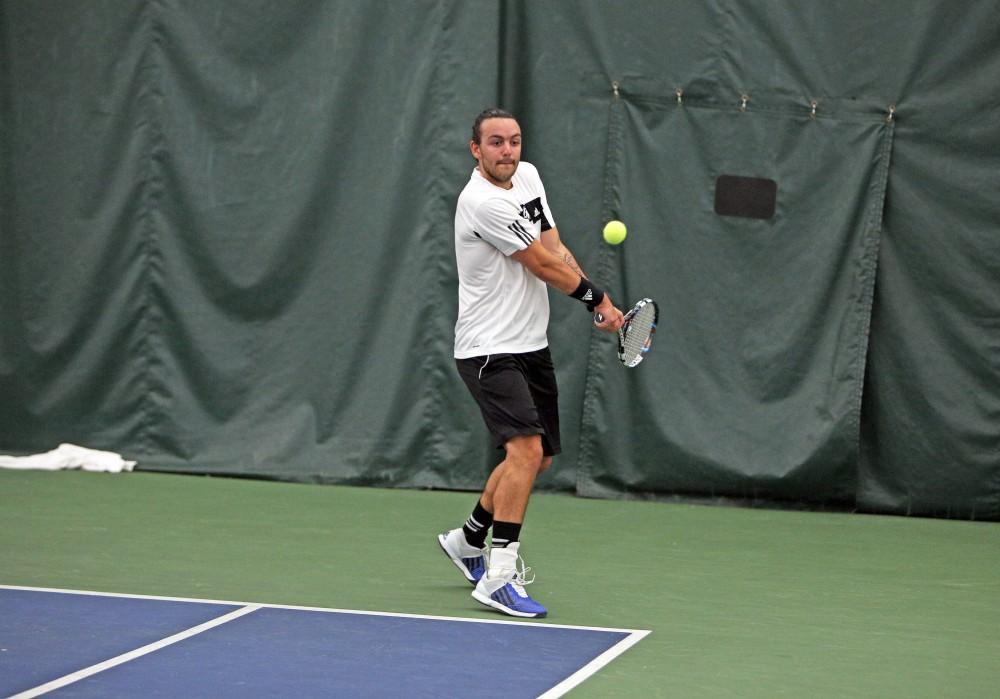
{"x": 611, "y": 318}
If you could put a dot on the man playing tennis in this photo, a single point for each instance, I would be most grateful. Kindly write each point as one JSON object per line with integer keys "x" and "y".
{"x": 508, "y": 248}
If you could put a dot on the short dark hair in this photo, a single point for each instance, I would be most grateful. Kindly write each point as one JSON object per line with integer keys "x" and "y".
{"x": 491, "y": 113}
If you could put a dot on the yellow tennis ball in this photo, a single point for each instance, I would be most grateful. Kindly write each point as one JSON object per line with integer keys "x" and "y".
{"x": 614, "y": 232}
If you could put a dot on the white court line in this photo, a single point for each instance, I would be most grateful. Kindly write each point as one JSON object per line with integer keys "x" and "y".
{"x": 633, "y": 637}
{"x": 594, "y": 665}
{"x": 327, "y": 610}
{"x": 132, "y": 654}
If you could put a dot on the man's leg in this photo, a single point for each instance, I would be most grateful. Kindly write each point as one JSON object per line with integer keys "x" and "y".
{"x": 466, "y": 545}
{"x": 513, "y": 479}
{"x": 509, "y": 488}
{"x": 489, "y": 492}
{"x": 505, "y": 388}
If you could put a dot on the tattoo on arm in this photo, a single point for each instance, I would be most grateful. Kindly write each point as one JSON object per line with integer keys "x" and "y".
{"x": 568, "y": 258}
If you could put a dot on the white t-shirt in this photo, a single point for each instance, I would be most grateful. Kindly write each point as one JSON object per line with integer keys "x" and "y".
{"x": 502, "y": 307}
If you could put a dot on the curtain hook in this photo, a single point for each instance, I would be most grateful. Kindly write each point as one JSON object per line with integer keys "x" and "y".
{"x": 743, "y": 102}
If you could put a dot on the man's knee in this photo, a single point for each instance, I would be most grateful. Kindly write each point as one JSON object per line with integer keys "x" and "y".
{"x": 526, "y": 452}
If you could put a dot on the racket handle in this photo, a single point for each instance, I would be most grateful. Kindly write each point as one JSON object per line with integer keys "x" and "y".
{"x": 598, "y": 319}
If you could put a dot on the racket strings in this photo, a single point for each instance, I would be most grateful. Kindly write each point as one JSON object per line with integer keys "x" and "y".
{"x": 637, "y": 336}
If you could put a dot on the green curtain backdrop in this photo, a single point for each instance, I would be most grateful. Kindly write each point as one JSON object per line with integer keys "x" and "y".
{"x": 756, "y": 383}
{"x": 226, "y": 239}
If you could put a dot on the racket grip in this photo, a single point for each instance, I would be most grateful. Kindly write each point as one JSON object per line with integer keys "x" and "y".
{"x": 598, "y": 319}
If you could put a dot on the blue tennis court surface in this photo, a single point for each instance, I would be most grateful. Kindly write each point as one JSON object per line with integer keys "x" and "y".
{"x": 81, "y": 644}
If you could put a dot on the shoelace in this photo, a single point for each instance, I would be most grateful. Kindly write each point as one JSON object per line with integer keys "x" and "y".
{"x": 518, "y": 581}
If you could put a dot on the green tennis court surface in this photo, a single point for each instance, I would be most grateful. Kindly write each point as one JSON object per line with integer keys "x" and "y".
{"x": 740, "y": 602}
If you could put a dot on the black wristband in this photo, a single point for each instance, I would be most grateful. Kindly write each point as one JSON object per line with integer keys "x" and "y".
{"x": 589, "y": 294}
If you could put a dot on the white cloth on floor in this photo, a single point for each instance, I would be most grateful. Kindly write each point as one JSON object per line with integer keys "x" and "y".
{"x": 69, "y": 456}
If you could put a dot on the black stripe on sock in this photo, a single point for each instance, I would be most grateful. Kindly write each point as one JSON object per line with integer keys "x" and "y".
{"x": 505, "y": 533}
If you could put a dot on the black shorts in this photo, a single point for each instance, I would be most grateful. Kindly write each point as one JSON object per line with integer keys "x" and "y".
{"x": 517, "y": 395}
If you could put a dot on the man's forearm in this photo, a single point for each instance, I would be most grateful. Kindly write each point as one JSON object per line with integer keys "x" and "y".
{"x": 566, "y": 256}
{"x": 550, "y": 266}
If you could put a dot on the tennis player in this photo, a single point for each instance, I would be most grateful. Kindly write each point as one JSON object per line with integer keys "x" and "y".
{"x": 508, "y": 249}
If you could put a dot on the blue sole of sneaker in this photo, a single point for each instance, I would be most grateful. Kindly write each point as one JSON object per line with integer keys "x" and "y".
{"x": 490, "y": 602}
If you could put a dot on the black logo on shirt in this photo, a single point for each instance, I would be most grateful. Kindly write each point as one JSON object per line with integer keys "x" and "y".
{"x": 533, "y": 211}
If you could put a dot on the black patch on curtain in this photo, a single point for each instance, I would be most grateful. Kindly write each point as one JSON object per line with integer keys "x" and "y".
{"x": 747, "y": 197}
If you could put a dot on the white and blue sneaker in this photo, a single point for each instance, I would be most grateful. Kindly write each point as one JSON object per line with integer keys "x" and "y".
{"x": 466, "y": 557}
{"x": 503, "y": 585}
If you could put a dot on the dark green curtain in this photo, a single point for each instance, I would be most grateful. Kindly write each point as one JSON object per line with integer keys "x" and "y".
{"x": 755, "y": 386}
{"x": 226, "y": 240}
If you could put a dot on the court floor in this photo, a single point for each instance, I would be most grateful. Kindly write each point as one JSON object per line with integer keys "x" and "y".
{"x": 84, "y": 644}
{"x": 348, "y": 584}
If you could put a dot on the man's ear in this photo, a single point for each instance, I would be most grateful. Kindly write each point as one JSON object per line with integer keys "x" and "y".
{"x": 474, "y": 149}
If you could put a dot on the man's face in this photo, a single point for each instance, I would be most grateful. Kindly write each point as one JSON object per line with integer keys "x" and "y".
{"x": 498, "y": 150}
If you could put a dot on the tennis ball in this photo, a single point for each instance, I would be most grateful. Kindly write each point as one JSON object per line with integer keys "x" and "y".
{"x": 614, "y": 232}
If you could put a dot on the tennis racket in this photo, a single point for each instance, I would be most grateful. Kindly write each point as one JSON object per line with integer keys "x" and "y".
{"x": 636, "y": 334}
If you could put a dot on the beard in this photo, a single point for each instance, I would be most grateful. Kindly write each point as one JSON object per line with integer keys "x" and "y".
{"x": 500, "y": 172}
